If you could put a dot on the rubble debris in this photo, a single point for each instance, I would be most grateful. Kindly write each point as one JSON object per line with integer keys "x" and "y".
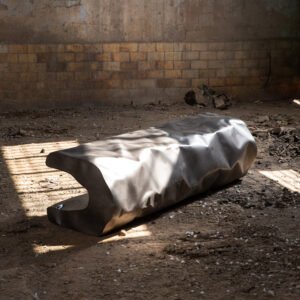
{"x": 190, "y": 98}
{"x": 262, "y": 119}
{"x": 16, "y": 132}
{"x": 286, "y": 142}
{"x": 206, "y": 97}
{"x": 260, "y": 199}
{"x": 219, "y": 101}
{"x": 195, "y": 98}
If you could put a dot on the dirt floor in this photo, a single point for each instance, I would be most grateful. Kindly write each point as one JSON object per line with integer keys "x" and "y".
{"x": 241, "y": 242}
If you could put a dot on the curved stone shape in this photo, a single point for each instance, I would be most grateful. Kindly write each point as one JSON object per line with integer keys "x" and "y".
{"x": 134, "y": 174}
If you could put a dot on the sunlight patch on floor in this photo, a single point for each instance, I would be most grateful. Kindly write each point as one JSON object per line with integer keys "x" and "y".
{"x": 43, "y": 249}
{"x": 287, "y": 178}
{"x": 296, "y": 101}
{"x": 37, "y": 185}
{"x": 135, "y": 232}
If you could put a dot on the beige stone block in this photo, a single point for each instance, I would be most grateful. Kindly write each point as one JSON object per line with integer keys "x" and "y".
{"x": 129, "y": 66}
{"x": 47, "y": 76}
{"x": 242, "y": 54}
{"x": 11, "y": 58}
{"x": 231, "y": 81}
{"x": 222, "y": 72}
{"x": 93, "y": 48}
{"x": 182, "y": 65}
{"x": 28, "y": 76}
{"x": 3, "y": 67}
{"x": 208, "y": 55}
{"x": 37, "y": 48}
{"x": 102, "y": 75}
{"x": 114, "y": 47}
{"x": 223, "y": 55}
{"x": 216, "y": 82}
{"x": 199, "y": 64}
{"x": 9, "y": 76}
{"x": 147, "y": 83}
{"x": 56, "y": 85}
{"x": 164, "y": 65}
{"x": 63, "y": 76}
{"x": 74, "y": 48}
{"x": 233, "y": 46}
{"x": 196, "y": 83}
{"x": 128, "y": 47}
{"x": 199, "y": 46}
{"x": 138, "y": 56}
{"x": 182, "y": 83}
{"x": 164, "y": 83}
{"x": 207, "y": 73}
{"x": 216, "y": 46}
{"x": 243, "y": 72}
{"x": 3, "y": 58}
{"x": 80, "y": 57}
{"x": 190, "y": 74}
{"x": 146, "y": 65}
{"x": 36, "y": 68}
{"x": 190, "y": 55}
{"x": 130, "y": 84}
{"x": 215, "y": 64}
{"x": 252, "y": 81}
{"x": 173, "y": 55}
{"x": 106, "y": 56}
{"x": 173, "y": 73}
{"x": 27, "y": 58}
{"x": 13, "y": 67}
{"x": 147, "y": 47}
{"x": 155, "y": 56}
{"x": 258, "y": 54}
{"x": 125, "y": 74}
{"x": 173, "y": 83}
{"x": 65, "y": 57}
{"x": 182, "y": 47}
{"x": 3, "y": 49}
{"x": 114, "y": 83}
{"x": 236, "y": 63}
{"x": 142, "y": 74}
{"x": 250, "y": 63}
{"x": 95, "y": 66}
{"x": 164, "y": 47}
{"x": 78, "y": 67}
{"x": 111, "y": 66}
{"x": 13, "y": 48}
{"x": 82, "y": 76}
{"x": 121, "y": 56}
{"x": 155, "y": 74}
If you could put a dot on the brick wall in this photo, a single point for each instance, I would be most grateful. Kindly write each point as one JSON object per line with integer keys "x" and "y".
{"x": 110, "y": 51}
{"x": 128, "y": 73}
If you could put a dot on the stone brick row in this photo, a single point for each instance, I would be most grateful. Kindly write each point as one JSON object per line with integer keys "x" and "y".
{"x": 135, "y": 68}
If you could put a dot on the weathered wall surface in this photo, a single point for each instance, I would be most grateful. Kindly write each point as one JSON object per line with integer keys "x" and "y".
{"x": 70, "y": 21}
{"x": 60, "y": 51}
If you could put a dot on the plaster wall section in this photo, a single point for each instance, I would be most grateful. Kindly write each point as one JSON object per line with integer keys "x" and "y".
{"x": 90, "y": 21}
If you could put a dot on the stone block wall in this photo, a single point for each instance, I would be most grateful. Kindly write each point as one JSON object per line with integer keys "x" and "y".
{"x": 139, "y": 65}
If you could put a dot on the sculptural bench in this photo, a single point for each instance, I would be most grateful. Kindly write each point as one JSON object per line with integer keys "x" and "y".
{"x": 134, "y": 174}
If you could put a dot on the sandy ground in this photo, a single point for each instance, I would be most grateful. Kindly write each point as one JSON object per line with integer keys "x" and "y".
{"x": 241, "y": 242}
